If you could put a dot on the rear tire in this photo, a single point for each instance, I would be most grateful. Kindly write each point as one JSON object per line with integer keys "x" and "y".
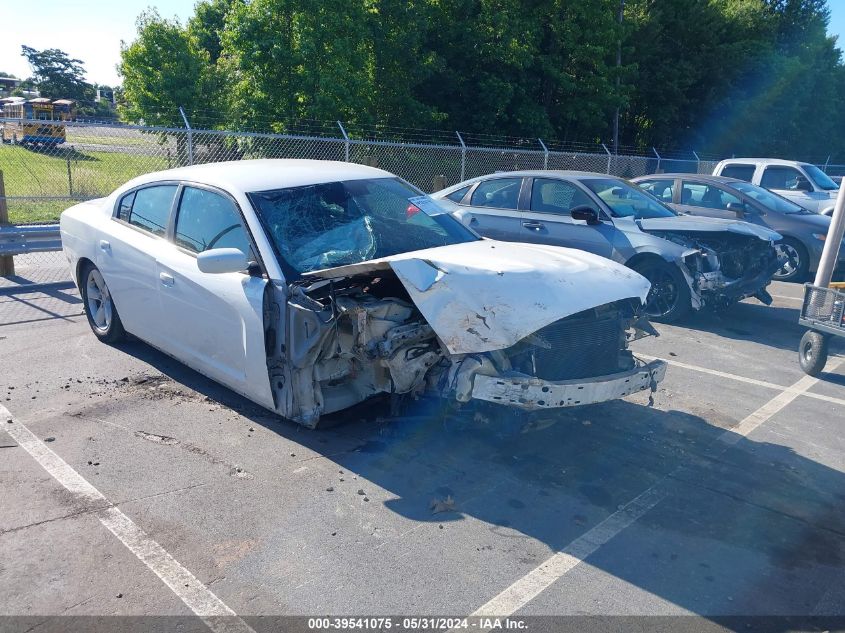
{"x": 798, "y": 264}
{"x": 669, "y": 299}
{"x": 99, "y": 306}
{"x": 812, "y": 352}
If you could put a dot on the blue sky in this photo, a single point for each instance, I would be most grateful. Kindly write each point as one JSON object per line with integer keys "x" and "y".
{"x": 92, "y": 30}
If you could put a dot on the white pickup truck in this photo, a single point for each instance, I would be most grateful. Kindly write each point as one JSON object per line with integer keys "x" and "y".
{"x": 803, "y": 183}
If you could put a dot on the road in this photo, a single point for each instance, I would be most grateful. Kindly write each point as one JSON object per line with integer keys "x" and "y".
{"x": 125, "y": 473}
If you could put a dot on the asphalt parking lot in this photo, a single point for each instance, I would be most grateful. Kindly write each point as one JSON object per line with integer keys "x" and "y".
{"x": 133, "y": 486}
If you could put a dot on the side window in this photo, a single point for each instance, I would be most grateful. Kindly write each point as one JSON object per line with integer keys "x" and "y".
{"x": 780, "y": 178}
{"x": 150, "y": 208}
{"x": 557, "y": 196}
{"x": 125, "y": 206}
{"x": 457, "y": 196}
{"x": 738, "y": 170}
{"x": 208, "y": 220}
{"x": 707, "y": 196}
{"x": 660, "y": 189}
{"x": 499, "y": 193}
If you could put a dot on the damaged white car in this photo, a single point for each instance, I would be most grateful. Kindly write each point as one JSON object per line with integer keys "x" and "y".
{"x": 310, "y": 286}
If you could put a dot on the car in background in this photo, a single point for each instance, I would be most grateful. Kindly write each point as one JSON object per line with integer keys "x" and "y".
{"x": 804, "y": 232}
{"x": 691, "y": 263}
{"x": 309, "y": 286}
{"x": 803, "y": 183}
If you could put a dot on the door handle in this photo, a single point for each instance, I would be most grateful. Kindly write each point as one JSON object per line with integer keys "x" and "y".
{"x": 105, "y": 246}
{"x": 534, "y": 225}
{"x": 166, "y": 280}
{"x": 473, "y": 220}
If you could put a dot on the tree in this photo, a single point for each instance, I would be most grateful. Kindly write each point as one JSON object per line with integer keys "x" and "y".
{"x": 300, "y": 59}
{"x": 57, "y": 75}
{"x": 163, "y": 69}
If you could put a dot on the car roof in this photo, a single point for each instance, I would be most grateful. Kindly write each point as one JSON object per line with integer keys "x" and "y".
{"x": 265, "y": 174}
{"x": 702, "y": 177}
{"x": 765, "y": 161}
{"x": 542, "y": 173}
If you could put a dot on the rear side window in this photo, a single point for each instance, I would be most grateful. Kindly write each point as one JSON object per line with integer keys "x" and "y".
{"x": 739, "y": 171}
{"x": 148, "y": 208}
{"x": 457, "y": 196}
{"x": 499, "y": 193}
{"x": 208, "y": 220}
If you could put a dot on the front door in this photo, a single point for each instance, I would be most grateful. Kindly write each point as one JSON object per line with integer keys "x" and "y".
{"x": 547, "y": 219}
{"x": 698, "y": 198}
{"x": 214, "y": 322}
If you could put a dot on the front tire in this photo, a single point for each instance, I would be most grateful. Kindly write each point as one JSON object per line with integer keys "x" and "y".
{"x": 812, "y": 352}
{"x": 797, "y": 263}
{"x": 99, "y": 306}
{"x": 669, "y": 299}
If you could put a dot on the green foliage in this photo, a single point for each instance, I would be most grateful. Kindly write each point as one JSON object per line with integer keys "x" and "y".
{"x": 58, "y": 76}
{"x": 743, "y": 76}
{"x": 163, "y": 69}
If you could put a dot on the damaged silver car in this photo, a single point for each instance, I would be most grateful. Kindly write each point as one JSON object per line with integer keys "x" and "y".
{"x": 310, "y": 286}
{"x": 692, "y": 263}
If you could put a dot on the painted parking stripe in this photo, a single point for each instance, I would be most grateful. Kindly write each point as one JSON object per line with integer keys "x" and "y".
{"x": 196, "y": 596}
{"x": 750, "y": 381}
{"x": 542, "y": 577}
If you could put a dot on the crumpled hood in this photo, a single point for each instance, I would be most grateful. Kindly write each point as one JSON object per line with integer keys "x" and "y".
{"x": 698, "y": 224}
{"x": 487, "y": 295}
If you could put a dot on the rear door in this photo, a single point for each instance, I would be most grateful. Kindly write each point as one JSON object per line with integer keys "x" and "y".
{"x": 493, "y": 209}
{"x": 213, "y": 322}
{"x": 547, "y": 219}
{"x": 126, "y": 256}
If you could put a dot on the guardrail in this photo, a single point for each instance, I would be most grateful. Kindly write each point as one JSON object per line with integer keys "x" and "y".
{"x": 20, "y": 240}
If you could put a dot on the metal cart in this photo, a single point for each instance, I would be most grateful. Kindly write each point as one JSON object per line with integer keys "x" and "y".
{"x": 823, "y": 313}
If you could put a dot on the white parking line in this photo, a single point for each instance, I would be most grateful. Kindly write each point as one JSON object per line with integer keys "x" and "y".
{"x": 788, "y": 298}
{"x": 196, "y": 596}
{"x": 750, "y": 381}
{"x": 542, "y": 577}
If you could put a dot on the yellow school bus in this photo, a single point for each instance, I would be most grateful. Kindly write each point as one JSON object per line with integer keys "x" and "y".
{"x": 36, "y": 121}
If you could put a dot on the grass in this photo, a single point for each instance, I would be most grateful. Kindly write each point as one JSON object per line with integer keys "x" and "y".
{"x": 49, "y": 181}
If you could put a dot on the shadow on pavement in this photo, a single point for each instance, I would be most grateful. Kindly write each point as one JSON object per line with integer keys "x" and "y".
{"x": 747, "y": 527}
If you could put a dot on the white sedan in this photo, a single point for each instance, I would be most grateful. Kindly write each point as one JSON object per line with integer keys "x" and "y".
{"x": 309, "y": 286}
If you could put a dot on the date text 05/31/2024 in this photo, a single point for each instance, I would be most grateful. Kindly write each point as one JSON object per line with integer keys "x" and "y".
{"x": 406, "y": 623}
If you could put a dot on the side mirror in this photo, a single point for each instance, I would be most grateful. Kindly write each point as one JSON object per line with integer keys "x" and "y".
{"x": 739, "y": 208}
{"x": 803, "y": 185}
{"x": 586, "y": 213}
{"x": 222, "y": 260}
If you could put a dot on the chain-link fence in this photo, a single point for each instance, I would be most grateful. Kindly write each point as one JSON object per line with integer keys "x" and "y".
{"x": 47, "y": 166}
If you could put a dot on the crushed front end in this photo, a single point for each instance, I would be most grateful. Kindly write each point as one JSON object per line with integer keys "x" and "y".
{"x": 580, "y": 359}
{"x": 726, "y": 267}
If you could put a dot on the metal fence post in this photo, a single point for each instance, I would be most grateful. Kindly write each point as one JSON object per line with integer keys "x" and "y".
{"x": 69, "y": 178}
{"x": 345, "y": 141}
{"x": 190, "y": 136}
{"x": 657, "y": 169}
{"x": 697, "y": 162}
{"x": 545, "y": 154}
{"x": 608, "y": 157}
{"x": 463, "y": 155}
{"x": 7, "y": 262}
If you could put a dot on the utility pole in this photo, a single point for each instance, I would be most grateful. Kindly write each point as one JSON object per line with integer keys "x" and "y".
{"x": 618, "y": 67}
